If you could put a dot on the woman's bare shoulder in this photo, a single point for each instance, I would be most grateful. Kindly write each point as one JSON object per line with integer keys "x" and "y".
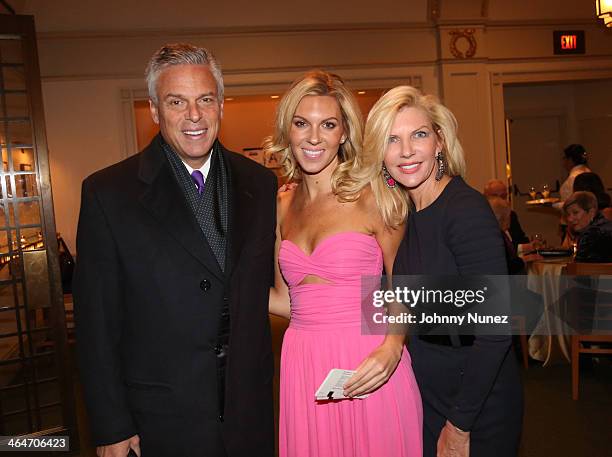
{"x": 368, "y": 205}
{"x": 284, "y": 197}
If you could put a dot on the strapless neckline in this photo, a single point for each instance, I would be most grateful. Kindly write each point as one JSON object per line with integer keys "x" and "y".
{"x": 342, "y": 260}
{"x": 327, "y": 239}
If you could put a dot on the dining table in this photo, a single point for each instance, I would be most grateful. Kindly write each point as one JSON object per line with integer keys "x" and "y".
{"x": 550, "y": 341}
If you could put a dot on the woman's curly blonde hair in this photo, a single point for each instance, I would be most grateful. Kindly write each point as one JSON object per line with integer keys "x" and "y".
{"x": 345, "y": 185}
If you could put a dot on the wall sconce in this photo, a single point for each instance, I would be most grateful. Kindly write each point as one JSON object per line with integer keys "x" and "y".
{"x": 604, "y": 11}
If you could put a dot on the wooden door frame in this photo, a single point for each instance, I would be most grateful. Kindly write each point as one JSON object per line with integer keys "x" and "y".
{"x": 589, "y": 69}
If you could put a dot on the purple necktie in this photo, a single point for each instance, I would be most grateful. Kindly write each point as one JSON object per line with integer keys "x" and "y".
{"x": 198, "y": 179}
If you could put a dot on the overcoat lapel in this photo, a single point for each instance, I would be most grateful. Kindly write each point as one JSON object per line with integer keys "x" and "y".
{"x": 166, "y": 202}
{"x": 242, "y": 210}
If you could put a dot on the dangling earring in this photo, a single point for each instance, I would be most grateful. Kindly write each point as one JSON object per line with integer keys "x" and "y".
{"x": 389, "y": 181}
{"x": 441, "y": 166}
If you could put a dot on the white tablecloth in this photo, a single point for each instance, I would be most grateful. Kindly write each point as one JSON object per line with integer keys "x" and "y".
{"x": 551, "y": 333}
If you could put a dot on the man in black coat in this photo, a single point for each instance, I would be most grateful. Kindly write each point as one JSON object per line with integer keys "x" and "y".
{"x": 175, "y": 259}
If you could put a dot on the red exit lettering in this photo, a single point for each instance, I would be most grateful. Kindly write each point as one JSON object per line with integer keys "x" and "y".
{"x": 568, "y": 41}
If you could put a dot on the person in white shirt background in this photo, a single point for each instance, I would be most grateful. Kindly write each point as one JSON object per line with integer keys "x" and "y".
{"x": 575, "y": 162}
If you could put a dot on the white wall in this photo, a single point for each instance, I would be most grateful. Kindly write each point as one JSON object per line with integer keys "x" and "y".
{"x": 84, "y": 134}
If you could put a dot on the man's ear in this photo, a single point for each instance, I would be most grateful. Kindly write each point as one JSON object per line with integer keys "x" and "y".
{"x": 154, "y": 111}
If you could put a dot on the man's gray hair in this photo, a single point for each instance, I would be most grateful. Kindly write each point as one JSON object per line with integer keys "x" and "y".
{"x": 181, "y": 54}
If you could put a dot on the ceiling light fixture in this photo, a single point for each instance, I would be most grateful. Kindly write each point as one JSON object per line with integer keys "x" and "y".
{"x": 603, "y": 9}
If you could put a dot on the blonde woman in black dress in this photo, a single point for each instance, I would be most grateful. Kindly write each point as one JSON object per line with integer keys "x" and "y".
{"x": 472, "y": 396}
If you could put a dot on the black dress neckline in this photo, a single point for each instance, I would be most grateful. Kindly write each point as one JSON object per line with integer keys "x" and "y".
{"x": 438, "y": 200}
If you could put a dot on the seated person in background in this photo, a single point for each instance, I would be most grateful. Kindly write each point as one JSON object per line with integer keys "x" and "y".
{"x": 497, "y": 188}
{"x": 524, "y": 302}
{"x": 591, "y": 182}
{"x": 516, "y": 263}
{"x": 591, "y": 232}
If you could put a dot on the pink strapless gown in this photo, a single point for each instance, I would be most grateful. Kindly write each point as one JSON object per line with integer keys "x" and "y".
{"x": 325, "y": 333}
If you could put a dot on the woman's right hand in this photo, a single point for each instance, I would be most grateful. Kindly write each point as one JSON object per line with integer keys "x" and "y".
{"x": 377, "y": 367}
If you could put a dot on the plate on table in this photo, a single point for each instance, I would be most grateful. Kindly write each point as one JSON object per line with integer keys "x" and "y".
{"x": 542, "y": 201}
{"x": 553, "y": 253}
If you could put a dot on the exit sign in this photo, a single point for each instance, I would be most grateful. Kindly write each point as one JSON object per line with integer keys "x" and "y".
{"x": 568, "y": 41}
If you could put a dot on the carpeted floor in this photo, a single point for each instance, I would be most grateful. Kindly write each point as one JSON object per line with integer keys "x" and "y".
{"x": 555, "y": 425}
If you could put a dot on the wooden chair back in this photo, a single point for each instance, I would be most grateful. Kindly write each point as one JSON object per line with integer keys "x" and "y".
{"x": 598, "y": 343}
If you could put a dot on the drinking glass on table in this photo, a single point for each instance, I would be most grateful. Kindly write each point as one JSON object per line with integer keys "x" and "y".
{"x": 545, "y": 191}
{"x": 537, "y": 241}
{"x": 532, "y": 192}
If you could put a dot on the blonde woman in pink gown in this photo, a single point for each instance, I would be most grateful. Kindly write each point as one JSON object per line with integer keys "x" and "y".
{"x": 330, "y": 232}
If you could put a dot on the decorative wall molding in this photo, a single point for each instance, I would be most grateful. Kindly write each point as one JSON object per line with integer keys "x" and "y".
{"x": 368, "y": 74}
{"x": 538, "y": 71}
{"x": 460, "y": 36}
{"x": 519, "y": 24}
{"x": 340, "y": 51}
{"x": 258, "y": 51}
{"x": 275, "y": 30}
{"x": 272, "y": 30}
